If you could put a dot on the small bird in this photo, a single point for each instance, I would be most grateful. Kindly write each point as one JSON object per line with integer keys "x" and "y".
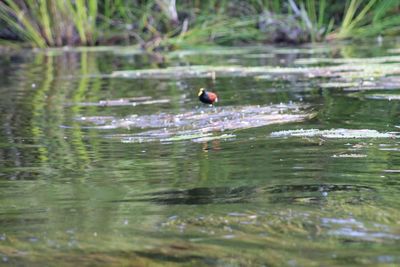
{"x": 207, "y": 97}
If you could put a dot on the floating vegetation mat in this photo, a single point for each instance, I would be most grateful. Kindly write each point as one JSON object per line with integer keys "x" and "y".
{"x": 388, "y": 97}
{"x": 134, "y": 101}
{"x": 373, "y": 83}
{"x": 335, "y": 133}
{"x": 349, "y": 156}
{"x": 200, "y": 125}
{"x": 200, "y": 72}
{"x": 362, "y": 61}
{"x": 352, "y": 74}
{"x": 349, "y": 70}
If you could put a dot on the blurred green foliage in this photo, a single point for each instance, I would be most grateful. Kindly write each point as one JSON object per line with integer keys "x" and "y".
{"x": 164, "y": 23}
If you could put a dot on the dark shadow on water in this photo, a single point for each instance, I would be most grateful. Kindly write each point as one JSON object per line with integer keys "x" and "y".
{"x": 246, "y": 194}
{"x": 162, "y": 257}
{"x": 20, "y": 221}
{"x": 199, "y": 196}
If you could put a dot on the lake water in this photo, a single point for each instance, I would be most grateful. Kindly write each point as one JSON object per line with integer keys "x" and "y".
{"x": 106, "y": 168}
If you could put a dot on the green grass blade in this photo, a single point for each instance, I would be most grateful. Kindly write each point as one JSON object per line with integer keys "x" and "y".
{"x": 92, "y": 6}
{"x": 31, "y": 32}
{"x": 44, "y": 13}
{"x": 383, "y": 7}
{"x": 362, "y": 14}
{"x": 321, "y": 13}
{"x": 349, "y": 14}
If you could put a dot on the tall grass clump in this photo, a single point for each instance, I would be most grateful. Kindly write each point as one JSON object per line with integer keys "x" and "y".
{"x": 329, "y": 19}
{"x": 52, "y": 23}
{"x": 363, "y": 18}
{"x": 314, "y": 17}
{"x": 163, "y": 23}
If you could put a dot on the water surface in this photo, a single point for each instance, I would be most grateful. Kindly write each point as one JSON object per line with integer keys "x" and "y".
{"x": 73, "y": 193}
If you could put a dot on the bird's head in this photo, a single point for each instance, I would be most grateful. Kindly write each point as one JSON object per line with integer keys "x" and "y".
{"x": 201, "y": 91}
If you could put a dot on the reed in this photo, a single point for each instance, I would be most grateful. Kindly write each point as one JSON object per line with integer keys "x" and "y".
{"x": 368, "y": 18}
{"x": 52, "y": 23}
{"x": 166, "y": 22}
